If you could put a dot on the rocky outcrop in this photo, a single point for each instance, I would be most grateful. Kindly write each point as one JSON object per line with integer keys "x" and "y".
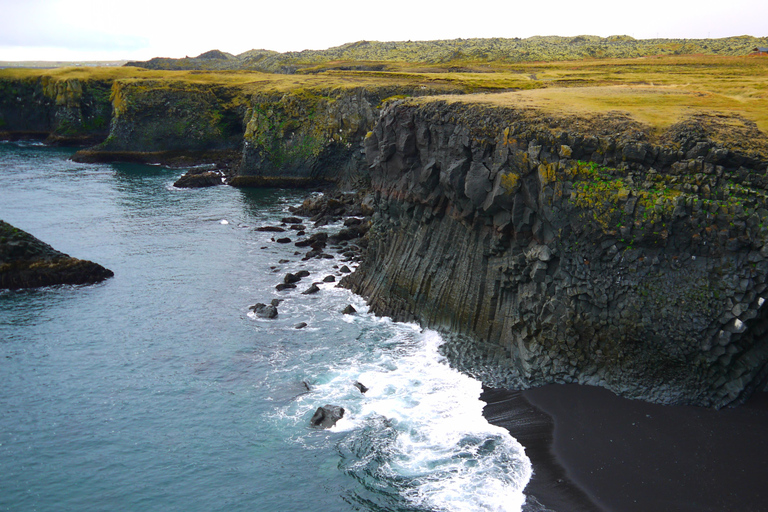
{"x": 26, "y": 262}
{"x": 575, "y": 249}
{"x": 60, "y": 111}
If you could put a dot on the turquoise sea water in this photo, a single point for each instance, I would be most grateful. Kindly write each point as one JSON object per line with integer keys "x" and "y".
{"x": 156, "y": 390}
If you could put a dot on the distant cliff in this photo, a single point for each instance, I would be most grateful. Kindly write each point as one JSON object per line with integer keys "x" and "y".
{"x": 576, "y": 248}
{"x": 306, "y": 136}
{"x": 71, "y": 111}
{"x": 171, "y": 121}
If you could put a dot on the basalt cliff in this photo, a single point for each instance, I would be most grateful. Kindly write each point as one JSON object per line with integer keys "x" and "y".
{"x": 556, "y": 247}
{"x": 575, "y": 248}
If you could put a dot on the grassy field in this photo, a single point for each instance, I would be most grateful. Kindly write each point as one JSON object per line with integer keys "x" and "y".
{"x": 657, "y": 91}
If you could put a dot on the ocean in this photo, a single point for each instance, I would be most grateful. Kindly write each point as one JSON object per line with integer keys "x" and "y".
{"x": 159, "y": 390}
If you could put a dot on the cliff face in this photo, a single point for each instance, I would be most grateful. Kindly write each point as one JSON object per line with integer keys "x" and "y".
{"x": 165, "y": 120}
{"x": 68, "y": 111}
{"x": 310, "y": 136}
{"x": 576, "y": 249}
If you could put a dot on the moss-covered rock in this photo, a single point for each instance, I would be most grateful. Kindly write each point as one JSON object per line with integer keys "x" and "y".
{"x": 26, "y": 262}
{"x": 63, "y": 111}
{"x": 165, "y": 120}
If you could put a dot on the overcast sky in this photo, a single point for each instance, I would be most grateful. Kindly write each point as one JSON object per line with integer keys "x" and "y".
{"x": 141, "y": 29}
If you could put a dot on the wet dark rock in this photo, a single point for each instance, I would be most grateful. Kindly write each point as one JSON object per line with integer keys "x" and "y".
{"x": 291, "y": 220}
{"x": 349, "y": 310}
{"x": 352, "y": 221}
{"x": 285, "y": 286}
{"x": 326, "y": 416}
{"x": 329, "y": 279}
{"x": 264, "y": 310}
{"x": 297, "y": 227}
{"x": 361, "y": 387}
{"x": 314, "y": 253}
{"x": 199, "y": 179}
{"x": 27, "y": 262}
{"x": 283, "y": 261}
{"x": 270, "y": 229}
{"x": 276, "y": 302}
{"x": 283, "y": 240}
{"x": 291, "y": 278}
{"x": 344, "y": 269}
{"x": 312, "y": 289}
{"x": 300, "y": 325}
{"x": 302, "y": 273}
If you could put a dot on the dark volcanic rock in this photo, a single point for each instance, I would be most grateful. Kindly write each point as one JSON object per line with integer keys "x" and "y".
{"x": 196, "y": 179}
{"x": 272, "y": 229}
{"x": 300, "y": 325}
{"x": 584, "y": 250}
{"x": 285, "y": 286}
{"x": 329, "y": 279}
{"x": 26, "y": 262}
{"x": 264, "y": 310}
{"x": 349, "y": 310}
{"x": 312, "y": 289}
{"x": 326, "y": 416}
{"x": 361, "y": 387}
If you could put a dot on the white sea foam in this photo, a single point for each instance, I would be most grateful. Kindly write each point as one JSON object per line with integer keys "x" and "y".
{"x": 417, "y": 435}
{"x": 449, "y": 456}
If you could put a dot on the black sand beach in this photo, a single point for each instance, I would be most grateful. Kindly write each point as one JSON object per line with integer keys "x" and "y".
{"x": 592, "y": 450}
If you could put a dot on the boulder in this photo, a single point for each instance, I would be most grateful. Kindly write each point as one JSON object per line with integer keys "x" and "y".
{"x": 361, "y": 387}
{"x": 264, "y": 310}
{"x": 199, "y": 179}
{"x": 291, "y": 278}
{"x": 349, "y": 310}
{"x": 326, "y": 416}
{"x": 312, "y": 289}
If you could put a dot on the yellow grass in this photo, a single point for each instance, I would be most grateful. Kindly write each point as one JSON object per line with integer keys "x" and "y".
{"x": 655, "y": 90}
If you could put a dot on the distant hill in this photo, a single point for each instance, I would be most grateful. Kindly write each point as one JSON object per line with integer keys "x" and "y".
{"x": 537, "y": 48}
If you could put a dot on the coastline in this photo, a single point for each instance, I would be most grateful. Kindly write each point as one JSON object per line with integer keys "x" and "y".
{"x": 592, "y": 450}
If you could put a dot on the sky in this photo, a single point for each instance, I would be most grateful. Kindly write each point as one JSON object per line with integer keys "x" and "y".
{"x": 142, "y": 29}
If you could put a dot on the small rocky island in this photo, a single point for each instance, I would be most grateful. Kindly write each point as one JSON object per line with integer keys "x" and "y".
{"x": 26, "y": 262}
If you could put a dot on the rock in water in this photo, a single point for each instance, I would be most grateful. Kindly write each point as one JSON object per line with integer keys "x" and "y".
{"x": 326, "y": 416}
{"x": 196, "y": 179}
{"x": 362, "y": 387}
{"x": 26, "y": 262}
{"x": 264, "y": 310}
{"x": 349, "y": 310}
{"x": 312, "y": 289}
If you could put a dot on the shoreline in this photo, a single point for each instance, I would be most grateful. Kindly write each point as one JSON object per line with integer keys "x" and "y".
{"x": 592, "y": 450}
